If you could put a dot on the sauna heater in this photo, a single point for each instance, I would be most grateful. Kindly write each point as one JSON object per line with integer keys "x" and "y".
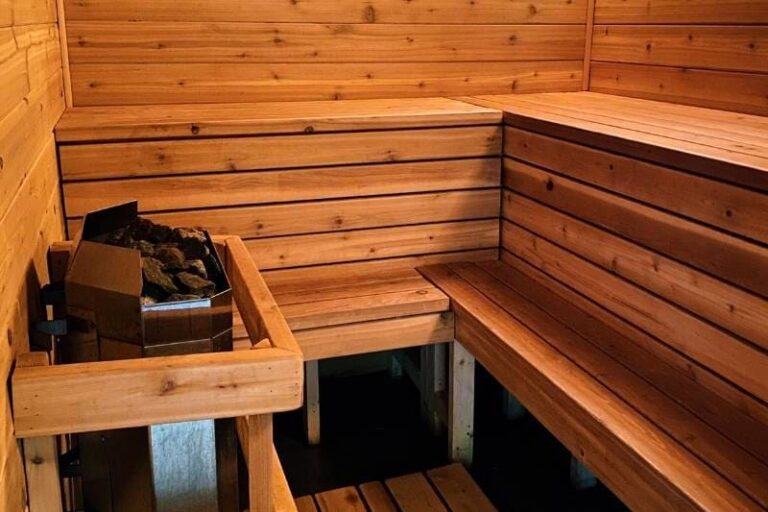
{"x": 186, "y": 466}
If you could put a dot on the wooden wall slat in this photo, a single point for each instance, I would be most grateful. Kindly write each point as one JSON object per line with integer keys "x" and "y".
{"x": 218, "y": 190}
{"x": 699, "y": 340}
{"x": 304, "y": 250}
{"x": 744, "y": 92}
{"x": 236, "y": 43}
{"x": 31, "y": 101}
{"x": 134, "y": 159}
{"x": 734, "y": 48}
{"x": 730, "y": 307}
{"x": 710, "y": 53}
{"x": 681, "y": 11}
{"x": 158, "y": 52}
{"x": 738, "y": 261}
{"x": 335, "y": 215}
{"x": 722, "y": 205}
{"x": 137, "y": 84}
{"x": 332, "y": 11}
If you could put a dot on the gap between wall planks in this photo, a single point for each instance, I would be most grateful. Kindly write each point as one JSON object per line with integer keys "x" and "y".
{"x": 590, "y": 24}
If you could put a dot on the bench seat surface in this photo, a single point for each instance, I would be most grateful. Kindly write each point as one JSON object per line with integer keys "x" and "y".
{"x": 353, "y": 309}
{"x": 652, "y": 434}
{"x": 208, "y": 120}
{"x": 725, "y": 145}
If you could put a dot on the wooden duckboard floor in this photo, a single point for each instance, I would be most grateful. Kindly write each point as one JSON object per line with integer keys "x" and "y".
{"x": 444, "y": 489}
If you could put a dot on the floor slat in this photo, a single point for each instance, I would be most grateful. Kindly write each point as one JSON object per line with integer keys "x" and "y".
{"x": 377, "y": 497}
{"x": 306, "y": 504}
{"x": 345, "y": 499}
{"x": 459, "y": 490}
{"x": 414, "y": 494}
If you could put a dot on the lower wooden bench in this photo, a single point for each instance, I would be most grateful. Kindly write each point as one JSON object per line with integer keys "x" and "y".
{"x": 447, "y": 489}
{"x": 641, "y": 426}
{"x": 350, "y": 310}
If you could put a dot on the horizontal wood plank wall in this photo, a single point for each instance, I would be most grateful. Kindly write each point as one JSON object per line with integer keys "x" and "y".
{"x": 31, "y": 101}
{"x": 156, "y": 52}
{"x": 709, "y": 53}
{"x": 304, "y": 200}
{"x": 681, "y": 280}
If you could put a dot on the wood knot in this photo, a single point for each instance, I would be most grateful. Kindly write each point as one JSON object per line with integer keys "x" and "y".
{"x": 369, "y": 14}
{"x": 167, "y": 387}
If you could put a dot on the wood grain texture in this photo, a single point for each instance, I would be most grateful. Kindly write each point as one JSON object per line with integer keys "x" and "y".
{"x": 414, "y": 494}
{"x": 376, "y": 497}
{"x": 139, "y": 84}
{"x": 346, "y": 499}
{"x": 168, "y": 388}
{"x": 681, "y": 11}
{"x": 31, "y": 101}
{"x": 727, "y": 48}
{"x": 135, "y": 159}
{"x": 695, "y": 52}
{"x": 459, "y": 490}
{"x": 731, "y": 307}
{"x": 727, "y": 146}
{"x": 320, "y": 50}
{"x": 728, "y": 207}
{"x": 741, "y": 92}
{"x": 206, "y": 120}
{"x": 332, "y": 11}
{"x": 375, "y": 336}
{"x": 330, "y": 215}
{"x": 369, "y": 244}
{"x": 250, "y": 188}
{"x": 739, "y": 261}
{"x": 237, "y": 43}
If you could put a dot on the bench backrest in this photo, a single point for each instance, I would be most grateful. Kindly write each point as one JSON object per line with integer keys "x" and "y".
{"x": 402, "y": 182}
{"x": 696, "y": 52}
{"x": 676, "y": 260}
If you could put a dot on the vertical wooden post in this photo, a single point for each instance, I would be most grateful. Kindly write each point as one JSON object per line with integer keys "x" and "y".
{"x": 255, "y": 433}
{"x": 432, "y": 384}
{"x": 461, "y": 404}
{"x": 41, "y": 458}
{"x": 312, "y": 402}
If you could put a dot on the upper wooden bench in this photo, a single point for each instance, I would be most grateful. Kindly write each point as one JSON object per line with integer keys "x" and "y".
{"x": 727, "y": 146}
{"x": 629, "y": 312}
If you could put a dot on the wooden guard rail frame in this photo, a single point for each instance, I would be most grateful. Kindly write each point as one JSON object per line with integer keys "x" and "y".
{"x": 247, "y": 384}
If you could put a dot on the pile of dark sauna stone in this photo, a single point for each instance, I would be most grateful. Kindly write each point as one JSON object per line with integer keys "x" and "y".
{"x": 176, "y": 263}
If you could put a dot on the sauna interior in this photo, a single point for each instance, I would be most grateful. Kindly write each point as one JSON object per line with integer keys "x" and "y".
{"x": 383, "y": 255}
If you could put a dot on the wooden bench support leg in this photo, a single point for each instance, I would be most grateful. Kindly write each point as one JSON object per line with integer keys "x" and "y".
{"x": 432, "y": 385}
{"x": 41, "y": 457}
{"x": 255, "y": 433}
{"x": 461, "y": 404}
{"x": 41, "y": 463}
{"x": 312, "y": 402}
{"x": 511, "y": 407}
{"x": 581, "y": 476}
